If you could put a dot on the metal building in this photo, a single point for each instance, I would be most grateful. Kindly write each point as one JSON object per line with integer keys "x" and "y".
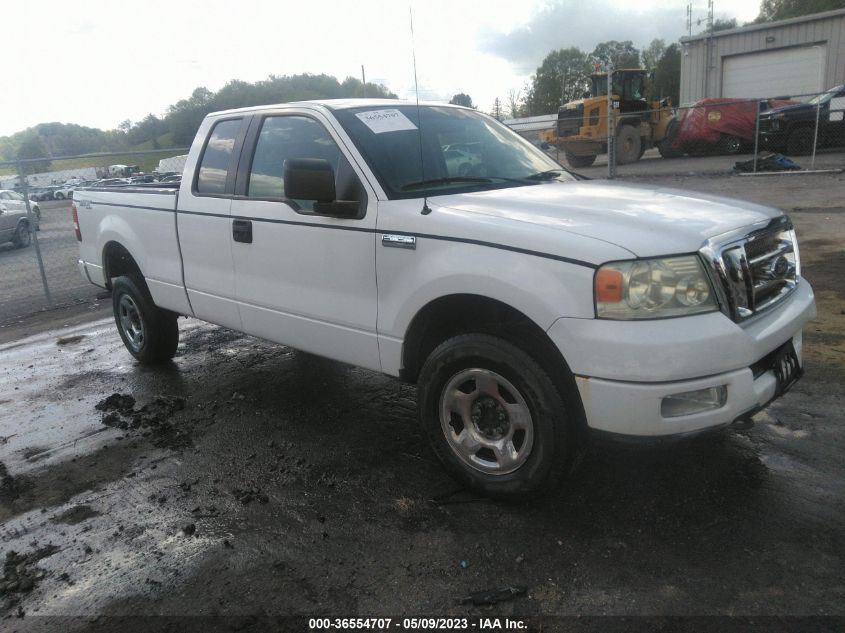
{"x": 785, "y": 58}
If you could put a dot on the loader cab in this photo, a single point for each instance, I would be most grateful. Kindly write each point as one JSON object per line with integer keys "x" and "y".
{"x": 629, "y": 85}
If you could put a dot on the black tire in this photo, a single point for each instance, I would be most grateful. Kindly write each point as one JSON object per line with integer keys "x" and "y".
{"x": 150, "y": 333}
{"x": 665, "y": 146}
{"x": 543, "y": 457}
{"x": 22, "y": 237}
{"x": 37, "y": 213}
{"x": 628, "y": 145}
{"x": 59, "y": 196}
{"x": 800, "y": 142}
{"x": 580, "y": 161}
{"x": 730, "y": 144}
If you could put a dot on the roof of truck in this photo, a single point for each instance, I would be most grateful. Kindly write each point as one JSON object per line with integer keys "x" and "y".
{"x": 339, "y": 104}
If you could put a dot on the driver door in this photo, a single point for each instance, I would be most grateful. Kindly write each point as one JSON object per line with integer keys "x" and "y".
{"x": 303, "y": 279}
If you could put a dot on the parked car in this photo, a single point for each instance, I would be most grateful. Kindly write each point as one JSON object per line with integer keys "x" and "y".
{"x": 173, "y": 178}
{"x": 530, "y": 306}
{"x": 111, "y": 182}
{"x": 64, "y": 191}
{"x": 715, "y": 126}
{"x": 41, "y": 194}
{"x": 792, "y": 128}
{"x": 14, "y": 222}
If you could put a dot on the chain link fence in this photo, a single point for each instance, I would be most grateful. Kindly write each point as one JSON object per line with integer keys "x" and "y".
{"x": 38, "y": 245}
{"x": 603, "y": 139}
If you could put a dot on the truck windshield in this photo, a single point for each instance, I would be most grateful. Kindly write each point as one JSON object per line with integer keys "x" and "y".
{"x": 436, "y": 150}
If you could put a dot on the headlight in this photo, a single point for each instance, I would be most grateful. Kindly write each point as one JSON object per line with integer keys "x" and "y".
{"x": 653, "y": 289}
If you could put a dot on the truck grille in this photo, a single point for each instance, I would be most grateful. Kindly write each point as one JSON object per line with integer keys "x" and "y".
{"x": 569, "y": 120}
{"x": 756, "y": 271}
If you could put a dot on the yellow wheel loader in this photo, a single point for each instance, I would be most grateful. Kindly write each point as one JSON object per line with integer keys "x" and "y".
{"x": 582, "y": 125}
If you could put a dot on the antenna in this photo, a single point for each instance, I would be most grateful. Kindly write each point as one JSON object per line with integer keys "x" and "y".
{"x": 425, "y": 210}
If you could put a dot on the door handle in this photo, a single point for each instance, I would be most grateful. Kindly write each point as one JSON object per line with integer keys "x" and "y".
{"x": 242, "y": 231}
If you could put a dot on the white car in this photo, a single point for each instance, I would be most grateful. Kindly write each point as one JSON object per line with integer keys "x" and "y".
{"x": 64, "y": 191}
{"x": 13, "y": 203}
{"x": 14, "y": 222}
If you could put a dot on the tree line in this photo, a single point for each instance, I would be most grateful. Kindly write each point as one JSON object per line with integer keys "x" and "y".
{"x": 179, "y": 124}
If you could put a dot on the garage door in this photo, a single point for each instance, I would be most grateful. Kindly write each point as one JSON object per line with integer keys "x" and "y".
{"x": 785, "y": 72}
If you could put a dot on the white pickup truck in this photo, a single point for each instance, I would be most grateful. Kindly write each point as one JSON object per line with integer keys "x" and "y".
{"x": 530, "y": 305}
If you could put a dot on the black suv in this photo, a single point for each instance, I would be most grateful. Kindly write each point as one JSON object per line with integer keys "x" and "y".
{"x": 791, "y": 129}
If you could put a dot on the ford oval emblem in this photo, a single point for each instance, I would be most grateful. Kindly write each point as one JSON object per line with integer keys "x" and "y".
{"x": 780, "y": 266}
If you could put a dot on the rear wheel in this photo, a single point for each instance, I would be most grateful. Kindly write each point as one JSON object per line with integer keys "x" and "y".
{"x": 59, "y": 196}
{"x": 580, "y": 161}
{"x": 730, "y": 144}
{"x": 495, "y": 418}
{"x": 628, "y": 145}
{"x": 151, "y": 334}
{"x": 800, "y": 142}
{"x": 22, "y": 236}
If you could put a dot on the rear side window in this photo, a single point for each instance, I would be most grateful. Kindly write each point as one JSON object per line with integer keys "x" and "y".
{"x": 217, "y": 156}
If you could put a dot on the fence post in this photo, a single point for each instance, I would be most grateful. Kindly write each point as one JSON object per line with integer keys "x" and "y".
{"x": 25, "y": 190}
{"x": 611, "y": 135}
{"x": 756, "y": 134}
{"x": 816, "y": 132}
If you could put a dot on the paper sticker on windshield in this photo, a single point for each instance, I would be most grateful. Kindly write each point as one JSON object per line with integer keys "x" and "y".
{"x": 380, "y": 121}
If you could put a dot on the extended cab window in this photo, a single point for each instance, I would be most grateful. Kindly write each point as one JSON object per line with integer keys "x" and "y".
{"x": 216, "y": 157}
{"x": 293, "y": 136}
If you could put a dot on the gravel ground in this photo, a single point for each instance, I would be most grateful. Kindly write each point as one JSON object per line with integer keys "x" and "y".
{"x": 246, "y": 478}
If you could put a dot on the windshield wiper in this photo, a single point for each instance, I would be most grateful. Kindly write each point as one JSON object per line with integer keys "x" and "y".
{"x": 444, "y": 181}
{"x": 549, "y": 174}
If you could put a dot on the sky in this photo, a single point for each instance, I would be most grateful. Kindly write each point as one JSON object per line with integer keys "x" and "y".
{"x": 98, "y": 63}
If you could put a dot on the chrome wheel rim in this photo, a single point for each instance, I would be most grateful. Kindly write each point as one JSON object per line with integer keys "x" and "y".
{"x": 486, "y": 421}
{"x": 131, "y": 322}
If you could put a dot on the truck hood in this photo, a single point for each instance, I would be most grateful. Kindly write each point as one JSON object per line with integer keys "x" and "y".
{"x": 798, "y": 108}
{"x": 645, "y": 220}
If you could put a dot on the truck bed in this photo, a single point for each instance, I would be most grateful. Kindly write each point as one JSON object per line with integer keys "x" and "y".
{"x": 142, "y": 218}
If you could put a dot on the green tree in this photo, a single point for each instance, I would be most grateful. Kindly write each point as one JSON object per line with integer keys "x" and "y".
{"x": 723, "y": 25}
{"x": 462, "y": 99}
{"x": 496, "y": 112}
{"x": 771, "y": 10}
{"x": 34, "y": 147}
{"x": 563, "y": 76}
{"x": 616, "y": 54}
{"x": 652, "y": 53}
{"x": 667, "y": 75}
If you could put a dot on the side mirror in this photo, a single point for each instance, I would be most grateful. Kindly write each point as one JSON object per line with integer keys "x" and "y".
{"x": 309, "y": 179}
{"x": 313, "y": 179}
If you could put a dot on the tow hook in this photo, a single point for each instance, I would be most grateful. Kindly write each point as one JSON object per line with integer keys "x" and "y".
{"x": 742, "y": 424}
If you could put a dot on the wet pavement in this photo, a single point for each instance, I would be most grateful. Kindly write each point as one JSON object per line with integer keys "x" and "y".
{"x": 247, "y": 478}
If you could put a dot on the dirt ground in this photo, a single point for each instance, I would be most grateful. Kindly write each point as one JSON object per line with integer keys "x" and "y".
{"x": 249, "y": 479}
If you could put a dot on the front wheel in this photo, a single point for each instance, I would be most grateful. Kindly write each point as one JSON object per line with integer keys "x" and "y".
{"x": 22, "y": 236}
{"x": 151, "y": 334}
{"x": 59, "y": 196}
{"x": 495, "y": 418}
{"x": 628, "y": 145}
{"x": 800, "y": 142}
{"x": 575, "y": 160}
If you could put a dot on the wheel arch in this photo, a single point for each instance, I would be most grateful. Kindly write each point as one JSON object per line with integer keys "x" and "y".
{"x": 118, "y": 261}
{"x": 455, "y": 314}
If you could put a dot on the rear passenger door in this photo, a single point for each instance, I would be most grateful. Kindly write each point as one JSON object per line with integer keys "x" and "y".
{"x": 204, "y": 221}
{"x": 304, "y": 279}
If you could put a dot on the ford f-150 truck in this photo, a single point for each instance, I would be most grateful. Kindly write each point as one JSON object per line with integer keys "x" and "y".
{"x": 531, "y": 306}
